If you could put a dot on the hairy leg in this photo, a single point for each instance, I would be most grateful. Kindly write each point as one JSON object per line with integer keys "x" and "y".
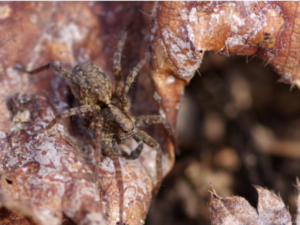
{"x": 110, "y": 149}
{"x": 157, "y": 119}
{"x": 131, "y": 77}
{"x": 117, "y": 63}
{"x": 98, "y": 138}
{"x": 153, "y": 144}
{"x": 70, "y": 112}
{"x": 58, "y": 69}
{"x": 135, "y": 153}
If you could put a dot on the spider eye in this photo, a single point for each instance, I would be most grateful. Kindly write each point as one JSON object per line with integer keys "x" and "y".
{"x": 79, "y": 70}
{"x": 132, "y": 128}
{"x": 121, "y": 125}
{"x": 126, "y": 131}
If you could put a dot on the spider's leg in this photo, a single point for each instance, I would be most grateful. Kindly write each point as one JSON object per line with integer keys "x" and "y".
{"x": 42, "y": 68}
{"x": 158, "y": 119}
{"x": 113, "y": 155}
{"x": 58, "y": 69}
{"x": 98, "y": 137}
{"x": 68, "y": 74}
{"x": 153, "y": 144}
{"x": 119, "y": 178}
{"x": 117, "y": 63}
{"x": 70, "y": 112}
{"x": 135, "y": 153}
{"x": 131, "y": 77}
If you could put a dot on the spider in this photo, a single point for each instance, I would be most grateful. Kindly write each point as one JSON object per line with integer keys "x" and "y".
{"x": 106, "y": 112}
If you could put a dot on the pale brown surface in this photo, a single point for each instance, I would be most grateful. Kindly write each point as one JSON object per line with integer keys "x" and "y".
{"x": 297, "y": 219}
{"x": 236, "y": 210}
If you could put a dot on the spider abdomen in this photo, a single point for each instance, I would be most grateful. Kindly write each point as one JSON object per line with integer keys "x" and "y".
{"x": 97, "y": 87}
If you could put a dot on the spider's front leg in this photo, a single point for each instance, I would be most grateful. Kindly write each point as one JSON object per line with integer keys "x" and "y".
{"x": 135, "y": 153}
{"x": 70, "y": 112}
{"x": 158, "y": 119}
{"x": 131, "y": 77}
{"x": 110, "y": 149}
{"x": 121, "y": 88}
{"x": 98, "y": 138}
{"x": 117, "y": 63}
{"x": 144, "y": 137}
{"x": 59, "y": 69}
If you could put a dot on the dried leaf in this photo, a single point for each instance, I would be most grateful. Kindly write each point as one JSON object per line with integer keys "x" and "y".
{"x": 183, "y": 31}
{"x": 297, "y": 221}
{"x": 236, "y": 210}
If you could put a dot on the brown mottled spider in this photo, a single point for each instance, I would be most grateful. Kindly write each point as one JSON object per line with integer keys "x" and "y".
{"x": 106, "y": 112}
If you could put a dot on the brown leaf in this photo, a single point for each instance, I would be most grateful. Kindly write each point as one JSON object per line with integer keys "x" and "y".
{"x": 233, "y": 210}
{"x": 297, "y": 220}
{"x": 183, "y": 31}
{"x": 236, "y": 210}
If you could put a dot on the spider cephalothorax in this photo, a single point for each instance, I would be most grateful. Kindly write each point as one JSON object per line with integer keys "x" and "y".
{"x": 106, "y": 112}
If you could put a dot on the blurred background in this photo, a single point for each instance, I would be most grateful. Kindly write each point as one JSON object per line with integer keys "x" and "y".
{"x": 238, "y": 127}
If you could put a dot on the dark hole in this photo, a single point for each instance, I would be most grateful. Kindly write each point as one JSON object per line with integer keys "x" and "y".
{"x": 201, "y": 51}
{"x": 118, "y": 223}
{"x": 8, "y": 181}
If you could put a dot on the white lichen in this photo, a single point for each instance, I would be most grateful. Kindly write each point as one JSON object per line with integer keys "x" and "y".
{"x": 170, "y": 80}
{"x": 193, "y": 15}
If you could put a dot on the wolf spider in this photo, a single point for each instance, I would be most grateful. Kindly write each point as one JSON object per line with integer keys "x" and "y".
{"x": 106, "y": 112}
